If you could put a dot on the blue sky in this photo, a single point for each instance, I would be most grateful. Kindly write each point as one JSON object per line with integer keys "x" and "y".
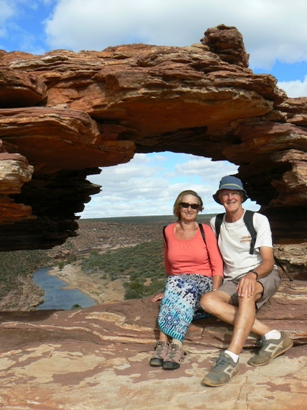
{"x": 275, "y": 36}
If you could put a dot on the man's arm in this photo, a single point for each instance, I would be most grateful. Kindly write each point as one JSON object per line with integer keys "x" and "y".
{"x": 267, "y": 264}
{"x": 246, "y": 286}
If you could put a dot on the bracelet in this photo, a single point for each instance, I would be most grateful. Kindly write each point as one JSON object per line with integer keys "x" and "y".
{"x": 256, "y": 273}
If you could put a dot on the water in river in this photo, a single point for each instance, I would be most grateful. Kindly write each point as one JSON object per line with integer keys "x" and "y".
{"x": 56, "y": 295}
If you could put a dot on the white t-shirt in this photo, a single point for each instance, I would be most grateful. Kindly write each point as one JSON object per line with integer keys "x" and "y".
{"x": 234, "y": 243}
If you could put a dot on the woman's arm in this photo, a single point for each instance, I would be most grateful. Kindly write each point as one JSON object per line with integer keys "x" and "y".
{"x": 216, "y": 282}
{"x": 214, "y": 254}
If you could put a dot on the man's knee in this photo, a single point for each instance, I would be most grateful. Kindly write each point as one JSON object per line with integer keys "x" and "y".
{"x": 248, "y": 301}
{"x": 207, "y": 301}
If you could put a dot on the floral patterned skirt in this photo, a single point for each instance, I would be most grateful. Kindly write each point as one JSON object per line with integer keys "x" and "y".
{"x": 180, "y": 305}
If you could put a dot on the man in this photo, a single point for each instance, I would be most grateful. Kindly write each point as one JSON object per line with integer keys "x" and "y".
{"x": 250, "y": 280}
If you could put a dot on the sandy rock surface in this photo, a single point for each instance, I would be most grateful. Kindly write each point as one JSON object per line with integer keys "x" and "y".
{"x": 97, "y": 358}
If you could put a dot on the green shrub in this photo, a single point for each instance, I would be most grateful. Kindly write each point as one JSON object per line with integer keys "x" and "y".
{"x": 75, "y": 306}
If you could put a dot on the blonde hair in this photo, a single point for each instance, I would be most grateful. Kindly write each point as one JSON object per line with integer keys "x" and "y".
{"x": 177, "y": 207}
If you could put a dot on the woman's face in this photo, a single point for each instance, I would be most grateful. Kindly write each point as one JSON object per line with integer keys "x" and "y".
{"x": 189, "y": 208}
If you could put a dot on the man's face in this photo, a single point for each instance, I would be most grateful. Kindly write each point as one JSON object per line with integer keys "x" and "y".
{"x": 231, "y": 199}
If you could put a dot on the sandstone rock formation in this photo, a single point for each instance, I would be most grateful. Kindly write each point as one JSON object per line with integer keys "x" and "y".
{"x": 63, "y": 115}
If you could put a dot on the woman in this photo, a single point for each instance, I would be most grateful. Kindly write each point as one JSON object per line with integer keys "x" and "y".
{"x": 194, "y": 266}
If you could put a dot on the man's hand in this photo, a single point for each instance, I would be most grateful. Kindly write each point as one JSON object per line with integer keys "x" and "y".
{"x": 158, "y": 297}
{"x": 246, "y": 286}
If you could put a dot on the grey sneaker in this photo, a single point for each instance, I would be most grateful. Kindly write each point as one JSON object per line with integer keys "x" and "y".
{"x": 159, "y": 355}
{"x": 270, "y": 349}
{"x": 224, "y": 369}
{"x": 174, "y": 356}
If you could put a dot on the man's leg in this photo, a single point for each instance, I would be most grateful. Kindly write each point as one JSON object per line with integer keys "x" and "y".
{"x": 243, "y": 318}
{"x": 218, "y": 304}
{"x": 245, "y": 321}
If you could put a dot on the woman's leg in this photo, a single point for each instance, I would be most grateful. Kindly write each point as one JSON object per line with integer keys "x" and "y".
{"x": 163, "y": 337}
{"x": 181, "y": 299}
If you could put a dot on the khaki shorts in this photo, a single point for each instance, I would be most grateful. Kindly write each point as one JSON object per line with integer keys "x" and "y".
{"x": 270, "y": 285}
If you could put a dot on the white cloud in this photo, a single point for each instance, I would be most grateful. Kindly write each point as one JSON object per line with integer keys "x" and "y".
{"x": 149, "y": 185}
{"x": 8, "y": 11}
{"x": 295, "y": 88}
{"x": 269, "y": 27}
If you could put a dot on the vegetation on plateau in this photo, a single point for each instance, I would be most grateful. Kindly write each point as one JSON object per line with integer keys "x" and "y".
{"x": 140, "y": 267}
{"x": 17, "y": 265}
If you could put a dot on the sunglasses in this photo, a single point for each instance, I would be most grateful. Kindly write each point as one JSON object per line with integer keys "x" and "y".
{"x": 186, "y": 205}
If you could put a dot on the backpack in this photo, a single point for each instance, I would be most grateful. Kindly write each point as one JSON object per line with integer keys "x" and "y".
{"x": 248, "y": 220}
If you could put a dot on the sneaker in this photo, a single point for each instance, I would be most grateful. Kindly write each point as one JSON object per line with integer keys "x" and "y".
{"x": 270, "y": 349}
{"x": 224, "y": 369}
{"x": 159, "y": 355}
{"x": 174, "y": 356}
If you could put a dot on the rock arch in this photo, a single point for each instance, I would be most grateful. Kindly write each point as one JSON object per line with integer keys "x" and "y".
{"x": 63, "y": 115}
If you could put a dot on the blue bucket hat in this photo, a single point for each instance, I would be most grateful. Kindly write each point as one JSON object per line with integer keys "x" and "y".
{"x": 230, "y": 182}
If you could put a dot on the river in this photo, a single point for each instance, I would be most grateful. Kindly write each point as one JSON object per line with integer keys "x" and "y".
{"x": 56, "y": 295}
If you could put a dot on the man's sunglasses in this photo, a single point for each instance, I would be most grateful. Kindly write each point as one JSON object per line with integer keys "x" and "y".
{"x": 186, "y": 205}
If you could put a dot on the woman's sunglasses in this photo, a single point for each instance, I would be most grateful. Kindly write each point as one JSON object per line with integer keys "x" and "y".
{"x": 186, "y": 205}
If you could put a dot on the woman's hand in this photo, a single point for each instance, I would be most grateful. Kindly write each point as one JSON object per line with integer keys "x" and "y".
{"x": 158, "y": 297}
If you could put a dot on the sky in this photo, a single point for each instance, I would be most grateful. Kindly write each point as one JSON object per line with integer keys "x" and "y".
{"x": 274, "y": 33}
